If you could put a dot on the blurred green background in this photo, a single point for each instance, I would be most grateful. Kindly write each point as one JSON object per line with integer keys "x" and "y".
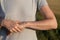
{"x": 50, "y": 34}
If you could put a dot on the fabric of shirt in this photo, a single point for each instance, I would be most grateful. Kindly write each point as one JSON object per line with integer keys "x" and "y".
{"x": 22, "y": 10}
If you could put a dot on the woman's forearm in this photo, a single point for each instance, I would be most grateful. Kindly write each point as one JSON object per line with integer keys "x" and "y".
{"x": 42, "y": 25}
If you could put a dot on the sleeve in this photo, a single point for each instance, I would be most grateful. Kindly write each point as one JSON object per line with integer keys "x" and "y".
{"x": 41, "y": 3}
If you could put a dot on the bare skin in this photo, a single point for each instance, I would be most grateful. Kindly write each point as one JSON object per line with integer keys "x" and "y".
{"x": 12, "y": 25}
{"x": 47, "y": 24}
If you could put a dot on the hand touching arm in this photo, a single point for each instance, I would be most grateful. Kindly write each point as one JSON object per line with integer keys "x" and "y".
{"x": 48, "y": 23}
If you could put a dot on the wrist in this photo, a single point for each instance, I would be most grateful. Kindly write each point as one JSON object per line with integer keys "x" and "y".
{"x": 27, "y": 24}
{"x": 24, "y": 24}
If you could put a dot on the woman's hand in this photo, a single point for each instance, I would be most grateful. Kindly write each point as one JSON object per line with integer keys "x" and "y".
{"x": 18, "y": 27}
{"x": 13, "y": 26}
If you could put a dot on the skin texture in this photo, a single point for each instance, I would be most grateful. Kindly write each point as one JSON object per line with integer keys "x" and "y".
{"x": 47, "y": 24}
{"x": 13, "y": 26}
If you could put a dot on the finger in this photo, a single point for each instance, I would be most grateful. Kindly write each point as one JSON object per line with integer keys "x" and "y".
{"x": 20, "y": 27}
{"x": 11, "y": 31}
{"x": 17, "y": 28}
{"x": 14, "y": 30}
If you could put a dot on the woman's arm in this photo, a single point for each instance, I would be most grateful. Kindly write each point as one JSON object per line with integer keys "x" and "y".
{"x": 48, "y": 23}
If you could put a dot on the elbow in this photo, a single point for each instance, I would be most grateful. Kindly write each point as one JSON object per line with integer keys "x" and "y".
{"x": 54, "y": 25}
